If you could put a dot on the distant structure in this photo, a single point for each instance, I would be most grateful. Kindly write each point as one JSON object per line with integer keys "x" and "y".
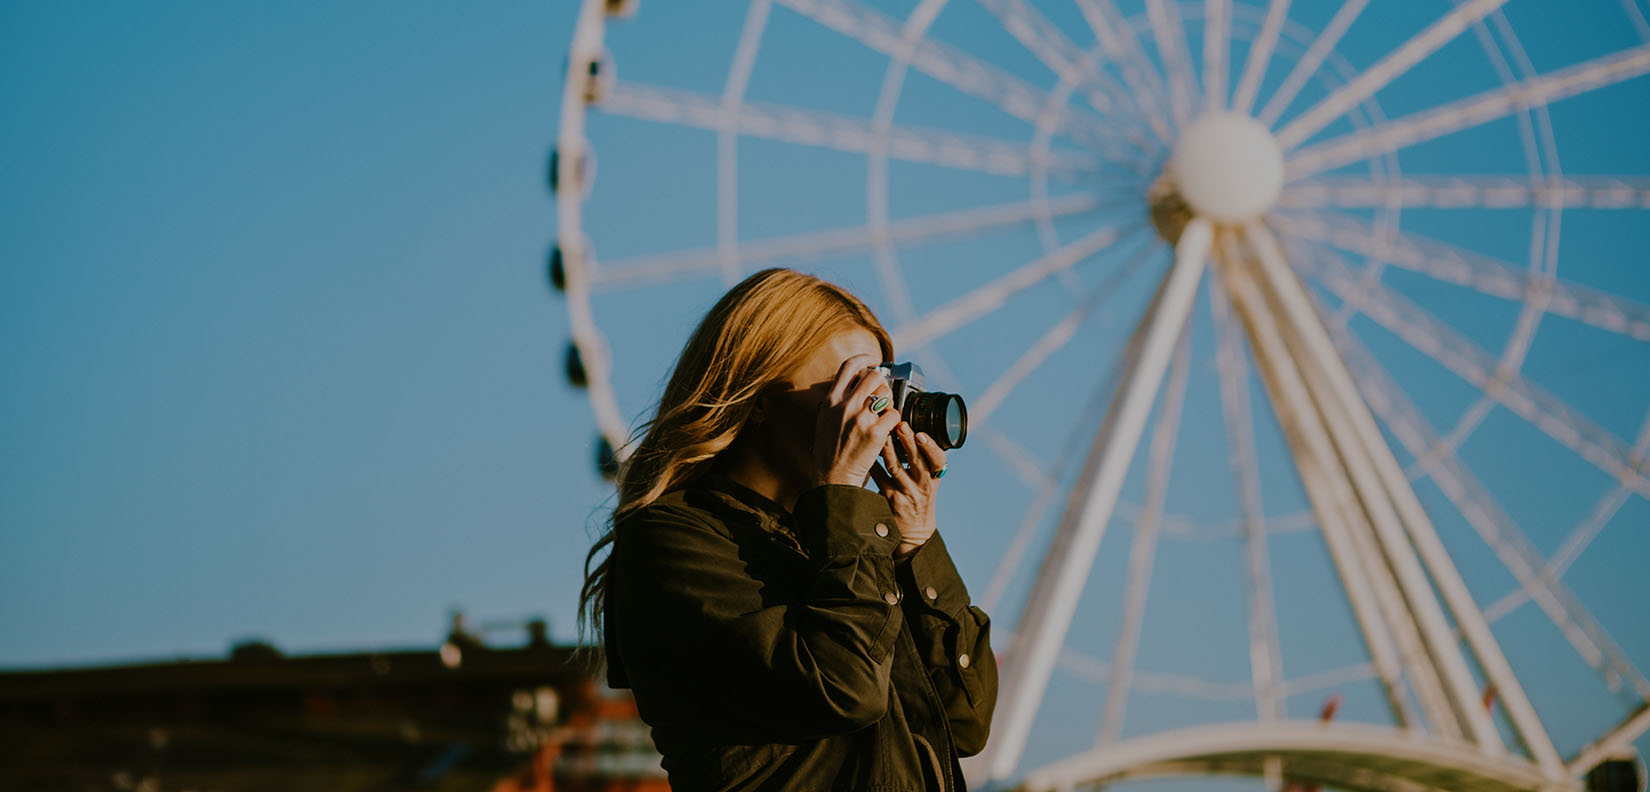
{"x": 466, "y": 716}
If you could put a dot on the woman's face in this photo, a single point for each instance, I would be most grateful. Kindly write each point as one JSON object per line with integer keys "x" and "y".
{"x": 792, "y": 405}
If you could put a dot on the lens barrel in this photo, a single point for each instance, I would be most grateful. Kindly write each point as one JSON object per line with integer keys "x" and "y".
{"x": 942, "y": 415}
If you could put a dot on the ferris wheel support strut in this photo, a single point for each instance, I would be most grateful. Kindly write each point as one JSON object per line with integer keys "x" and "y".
{"x": 1336, "y": 389}
{"x": 1391, "y": 651}
{"x": 1356, "y": 458}
{"x": 1345, "y": 527}
{"x": 1347, "y": 460}
{"x": 1047, "y": 614}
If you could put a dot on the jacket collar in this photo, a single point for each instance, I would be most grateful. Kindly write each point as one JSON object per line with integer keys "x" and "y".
{"x": 747, "y": 496}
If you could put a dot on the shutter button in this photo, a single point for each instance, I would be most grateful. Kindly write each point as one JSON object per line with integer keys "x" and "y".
{"x": 882, "y": 529}
{"x": 962, "y": 661}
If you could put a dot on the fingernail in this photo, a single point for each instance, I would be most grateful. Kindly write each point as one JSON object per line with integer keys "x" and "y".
{"x": 880, "y": 404}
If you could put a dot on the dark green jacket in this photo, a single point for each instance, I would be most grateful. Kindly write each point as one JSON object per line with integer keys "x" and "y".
{"x": 778, "y": 651}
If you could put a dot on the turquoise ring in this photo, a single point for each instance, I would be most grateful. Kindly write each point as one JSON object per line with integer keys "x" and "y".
{"x": 941, "y": 472}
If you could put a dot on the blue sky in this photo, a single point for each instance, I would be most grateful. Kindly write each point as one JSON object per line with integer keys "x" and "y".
{"x": 282, "y": 362}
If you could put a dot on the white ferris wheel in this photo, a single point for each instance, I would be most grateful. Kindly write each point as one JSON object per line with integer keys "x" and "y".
{"x": 1368, "y": 284}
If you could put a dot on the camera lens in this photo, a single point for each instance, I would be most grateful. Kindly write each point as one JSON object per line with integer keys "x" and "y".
{"x": 941, "y": 415}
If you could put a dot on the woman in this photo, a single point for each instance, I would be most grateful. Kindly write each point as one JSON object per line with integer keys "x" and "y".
{"x": 782, "y": 627}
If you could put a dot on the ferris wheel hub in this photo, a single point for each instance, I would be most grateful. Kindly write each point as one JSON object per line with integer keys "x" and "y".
{"x": 1227, "y": 167}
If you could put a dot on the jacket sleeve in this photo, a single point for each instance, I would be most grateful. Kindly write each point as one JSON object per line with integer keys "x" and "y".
{"x": 954, "y": 639}
{"x": 700, "y": 630}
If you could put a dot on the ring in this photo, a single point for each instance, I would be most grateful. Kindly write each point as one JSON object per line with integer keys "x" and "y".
{"x": 879, "y": 404}
{"x": 941, "y": 472}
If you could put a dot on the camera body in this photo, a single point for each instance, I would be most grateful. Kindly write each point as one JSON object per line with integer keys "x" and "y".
{"x": 943, "y": 416}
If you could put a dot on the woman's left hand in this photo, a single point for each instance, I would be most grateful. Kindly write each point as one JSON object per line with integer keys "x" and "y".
{"x": 910, "y": 488}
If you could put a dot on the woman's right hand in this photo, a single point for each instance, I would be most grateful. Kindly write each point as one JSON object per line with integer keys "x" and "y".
{"x": 848, "y": 436}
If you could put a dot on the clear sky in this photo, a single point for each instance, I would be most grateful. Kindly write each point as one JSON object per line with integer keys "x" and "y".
{"x": 281, "y": 361}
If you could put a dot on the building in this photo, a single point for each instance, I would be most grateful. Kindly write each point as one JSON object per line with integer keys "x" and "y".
{"x": 463, "y": 716}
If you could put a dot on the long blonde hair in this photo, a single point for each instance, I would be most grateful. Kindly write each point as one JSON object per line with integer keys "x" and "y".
{"x": 762, "y": 329}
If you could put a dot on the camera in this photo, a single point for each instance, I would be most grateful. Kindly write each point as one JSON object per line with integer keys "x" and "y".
{"x": 942, "y": 415}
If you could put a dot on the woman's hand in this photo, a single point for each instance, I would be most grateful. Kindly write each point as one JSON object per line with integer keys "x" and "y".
{"x": 847, "y": 432}
{"x": 910, "y": 488}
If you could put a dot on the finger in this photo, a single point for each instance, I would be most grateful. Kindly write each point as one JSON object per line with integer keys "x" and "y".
{"x": 891, "y": 461}
{"x": 869, "y": 386}
{"x": 931, "y": 452}
{"x": 918, "y": 463}
{"x": 847, "y": 375}
{"x": 885, "y": 424}
{"x": 885, "y": 482}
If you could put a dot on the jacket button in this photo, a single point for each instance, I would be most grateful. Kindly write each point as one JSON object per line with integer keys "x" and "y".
{"x": 891, "y": 598}
{"x": 930, "y": 593}
{"x": 962, "y": 661}
{"x": 882, "y": 529}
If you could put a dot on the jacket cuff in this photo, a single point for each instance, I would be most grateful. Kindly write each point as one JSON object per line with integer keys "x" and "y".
{"x": 931, "y": 578}
{"x": 842, "y": 520}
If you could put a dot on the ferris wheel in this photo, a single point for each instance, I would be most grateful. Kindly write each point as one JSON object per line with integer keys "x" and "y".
{"x": 1351, "y": 212}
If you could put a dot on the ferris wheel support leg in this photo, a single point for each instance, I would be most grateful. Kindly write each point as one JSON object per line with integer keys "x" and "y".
{"x": 1288, "y": 302}
{"x": 1411, "y": 577}
{"x": 1327, "y": 493}
{"x": 1423, "y": 673}
{"x": 1047, "y": 614}
{"x": 1340, "y": 392}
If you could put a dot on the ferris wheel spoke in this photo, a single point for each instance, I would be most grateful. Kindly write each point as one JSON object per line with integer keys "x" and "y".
{"x": 1579, "y": 538}
{"x": 1460, "y": 355}
{"x": 1265, "y": 654}
{"x": 1170, "y": 35}
{"x": 1497, "y": 529}
{"x": 813, "y": 245}
{"x": 1143, "y": 548}
{"x": 1309, "y": 62}
{"x": 1471, "y": 111}
{"x": 1334, "y": 677}
{"x": 1217, "y": 40}
{"x": 1481, "y": 273}
{"x": 1054, "y": 339}
{"x": 1025, "y": 464}
{"x": 842, "y": 133}
{"x": 1017, "y": 547}
{"x": 1612, "y": 743}
{"x": 947, "y": 64}
{"x": 1385, "y": 70}
{"x": 1094, "y": 669}
{"x": 1468, "y": 191}
{"x": 991, "y": 296}
{"x": 1045, "y": 40}
{"x": 1118, "y": 42}
{"x": 1188, "y": 686}
{"x": 1260, "y": 55}
{"x": 1567, "y": 553}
